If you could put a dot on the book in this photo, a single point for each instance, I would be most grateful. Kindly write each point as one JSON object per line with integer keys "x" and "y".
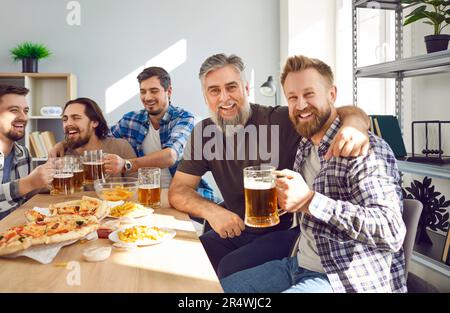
{"x": 445, "y": 254}
{"x": 48, "y": 138}
{"x": 41, "y": 152}
{"x": 387, "y": 127}
{"x": 33, "y": 147}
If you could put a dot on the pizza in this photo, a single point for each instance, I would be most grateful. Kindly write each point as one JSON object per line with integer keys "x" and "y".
{"x": 51, "y": 229}
{"x": 86, "y": 206}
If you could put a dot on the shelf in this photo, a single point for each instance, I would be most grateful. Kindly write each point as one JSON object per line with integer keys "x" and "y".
{"x": 39, "y": 117}
{"x": 379, "y": 4}
{"x": 425, "y": 169}
{"x": 430, "y": 255}
{"x": 39, "y": 159}
{"x": 427, "y": 64}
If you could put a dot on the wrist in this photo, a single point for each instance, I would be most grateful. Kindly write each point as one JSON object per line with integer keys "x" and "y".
{"x": 305, "y": 204}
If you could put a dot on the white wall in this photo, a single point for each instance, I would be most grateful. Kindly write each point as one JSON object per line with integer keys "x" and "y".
{"x": 308, "y": 28}
{"x": 116, "y": 38}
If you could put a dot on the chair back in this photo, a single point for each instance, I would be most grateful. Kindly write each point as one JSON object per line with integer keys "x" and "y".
{"x": 411, "y": 214}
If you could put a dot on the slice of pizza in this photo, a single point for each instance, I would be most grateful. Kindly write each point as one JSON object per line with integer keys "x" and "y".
{"x": 52, "y": 229}
{"x": 65, "y": 208}
{"x": 93, "y": 206}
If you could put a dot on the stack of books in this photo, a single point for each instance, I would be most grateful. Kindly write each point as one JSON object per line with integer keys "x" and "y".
{"x": 41, "y": 143}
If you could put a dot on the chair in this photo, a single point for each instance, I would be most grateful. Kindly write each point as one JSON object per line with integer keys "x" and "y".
{"x": 411, "y": 215}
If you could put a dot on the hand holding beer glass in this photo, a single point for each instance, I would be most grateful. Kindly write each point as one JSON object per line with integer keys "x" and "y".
{"x": 149, "y": 188}
{"x": 63, "y": 179}
{"x": 93, "y": 166}
{"x": 261, "y": 208}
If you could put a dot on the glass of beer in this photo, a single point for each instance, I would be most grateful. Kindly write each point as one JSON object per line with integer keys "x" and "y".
{"x": 63, "y": 179}
{"x": 78, "y": 173}
{"x": 149, "y": 188}
{"x": 261, "y": 207}
{"x": 93, "y": 166}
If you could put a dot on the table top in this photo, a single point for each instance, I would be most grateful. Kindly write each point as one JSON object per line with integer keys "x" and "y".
{"x": 177, "y": 265}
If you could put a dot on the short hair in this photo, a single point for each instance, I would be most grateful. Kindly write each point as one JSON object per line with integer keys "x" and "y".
{"x": 94, "y": 113}
{"x": 220, "y": 60}
{"x": 299, "y": 63}
{"x": 164, "y": 77}
{"x": 9, "y": 89}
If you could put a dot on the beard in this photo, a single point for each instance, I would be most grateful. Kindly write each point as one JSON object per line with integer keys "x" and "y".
{"x": 309, "y": 129}
{"x": 230, "y": 126}
{"x": 76, "y": 142}
{"x": 15, "y": 135}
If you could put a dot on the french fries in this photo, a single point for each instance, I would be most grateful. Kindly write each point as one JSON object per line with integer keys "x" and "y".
{"x": 125, "y": 209}
{"x": 141, "y": 232}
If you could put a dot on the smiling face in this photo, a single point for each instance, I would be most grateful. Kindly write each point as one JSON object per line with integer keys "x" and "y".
{"x": 226, "y": 97}
{"x": 153, "y": 96}
{"x": 310, "y": 98}
{"x": 13, "y": 117}
{"x": 78, "y": 128}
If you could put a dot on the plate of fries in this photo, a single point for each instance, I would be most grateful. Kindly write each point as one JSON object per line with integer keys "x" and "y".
{"x": 142, "y": 235}
{"x": 129, "y": 209}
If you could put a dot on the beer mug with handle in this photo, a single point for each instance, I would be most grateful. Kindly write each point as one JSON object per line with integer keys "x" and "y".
{"x": 63, "y": 182}
{"x": 93, "y": 166}
{"x": 149, "y": 189}
{"x": 261, "y": 207}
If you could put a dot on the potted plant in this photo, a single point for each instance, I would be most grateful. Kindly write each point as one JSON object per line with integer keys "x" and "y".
{"x": 437, "y": 14}
{"x": 30, "y": 53}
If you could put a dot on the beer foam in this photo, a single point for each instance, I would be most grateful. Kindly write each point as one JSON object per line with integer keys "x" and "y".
{"x": 258, "y": 185}
{"x": 149, "y": 186}
{"x": 66, "y": 175}
{"x": 94, "y": 163}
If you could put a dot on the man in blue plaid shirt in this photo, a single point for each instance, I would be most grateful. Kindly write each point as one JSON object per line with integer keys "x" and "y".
{"x": 349, "y": 209}
{"x": 158, "y": 133}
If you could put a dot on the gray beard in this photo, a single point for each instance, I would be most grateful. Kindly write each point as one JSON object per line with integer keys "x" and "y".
{"x": 230, "y": 127}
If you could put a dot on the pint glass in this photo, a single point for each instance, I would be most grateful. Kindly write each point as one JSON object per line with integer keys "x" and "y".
{"x": 149, "y": 189}
{"x": 63, "y": 179}
{"x": 93, "y": 166}
{"x": 261, "y": 208}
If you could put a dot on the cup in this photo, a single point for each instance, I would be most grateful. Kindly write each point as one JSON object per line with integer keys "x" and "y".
{"x": 261, "y": 207}
{"x": 149, "y": 187}
{"x": 93, "y": 166}
{"x": 63, "y": 183}
{"x": 78, "y": 173}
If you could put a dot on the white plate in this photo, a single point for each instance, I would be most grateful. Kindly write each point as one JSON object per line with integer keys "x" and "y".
{"x": 114, "y": 237}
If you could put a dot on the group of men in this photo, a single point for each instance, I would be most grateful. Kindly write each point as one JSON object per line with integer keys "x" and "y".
{"x": 339, "y": 183}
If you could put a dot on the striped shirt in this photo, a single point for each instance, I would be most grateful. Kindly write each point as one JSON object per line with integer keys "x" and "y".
{"x": 356, "y": 217}
{"x": 175, "y": 127}
{"x": 20, "y": 167}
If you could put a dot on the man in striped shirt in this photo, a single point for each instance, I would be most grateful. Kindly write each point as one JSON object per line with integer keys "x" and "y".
{"x": 18, "y": 183}
{"x": 349, "y": 209}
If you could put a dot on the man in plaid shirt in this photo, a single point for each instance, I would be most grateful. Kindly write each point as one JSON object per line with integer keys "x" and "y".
{"x": 349, "y": 209}
{"x": 158, "y": 133}
{"x": 18, "y": 183}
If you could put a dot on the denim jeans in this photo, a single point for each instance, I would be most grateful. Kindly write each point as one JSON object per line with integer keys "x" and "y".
{"x": 277, "y": 276}
{"x": 248, "y": 250}
{"x": 5, "y": 214}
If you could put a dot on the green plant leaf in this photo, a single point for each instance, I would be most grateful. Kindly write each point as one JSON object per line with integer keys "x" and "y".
{"x": 417, "y": 10}
{"x": 414, "y": 18}
{"x": 30, "y": 50}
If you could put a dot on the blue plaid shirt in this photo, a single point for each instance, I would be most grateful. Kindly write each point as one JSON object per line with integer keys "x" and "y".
{"x": 175, "y": 127}
{"x": 356, "y": 217}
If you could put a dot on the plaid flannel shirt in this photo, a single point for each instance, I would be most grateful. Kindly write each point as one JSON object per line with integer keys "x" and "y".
{"x": 356, "y": 217}
{"x": 20, "y": 167}
{"x": 175, "y": 127}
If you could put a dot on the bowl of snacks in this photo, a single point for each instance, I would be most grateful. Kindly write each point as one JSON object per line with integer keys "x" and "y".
{"x": 116, "y": 188}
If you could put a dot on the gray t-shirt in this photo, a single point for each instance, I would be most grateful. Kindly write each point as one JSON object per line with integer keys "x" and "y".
{"x": 308, "y": 256}
{"x": 227, "y": 167}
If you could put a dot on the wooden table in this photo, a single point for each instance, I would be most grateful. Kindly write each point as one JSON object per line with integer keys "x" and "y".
{"x": 178, "y": 265}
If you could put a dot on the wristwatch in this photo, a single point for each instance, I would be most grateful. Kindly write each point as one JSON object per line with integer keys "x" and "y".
{"x": 128, "y": 166}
